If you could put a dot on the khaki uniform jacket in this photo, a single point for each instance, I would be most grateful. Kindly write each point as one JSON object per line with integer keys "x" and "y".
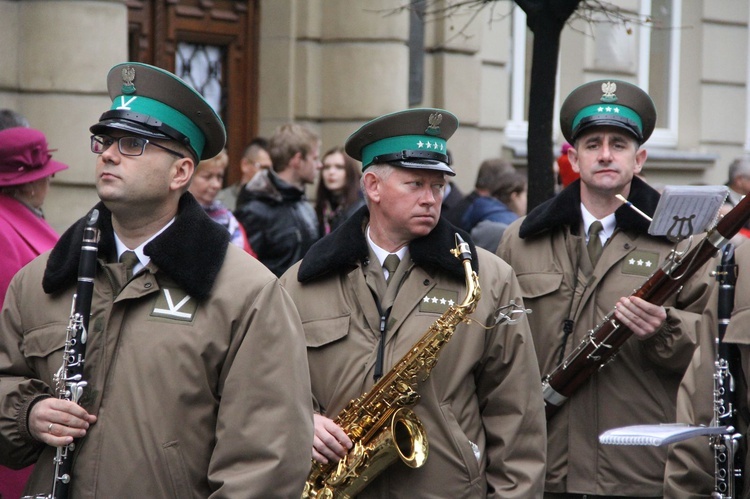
{"x": 481, "y": 407}
{"x": 196, "y": 369}
{"x": 548, "y": 253}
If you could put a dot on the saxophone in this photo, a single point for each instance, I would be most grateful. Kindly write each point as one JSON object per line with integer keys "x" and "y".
{"x": 380, "y": 423}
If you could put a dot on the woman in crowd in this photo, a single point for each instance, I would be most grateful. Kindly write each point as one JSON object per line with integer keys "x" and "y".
{"x": 511, "y": 193}
{"x": 338, "y": 194}
{"x": 205, "y": 186}
{"x": 26, "y": 167}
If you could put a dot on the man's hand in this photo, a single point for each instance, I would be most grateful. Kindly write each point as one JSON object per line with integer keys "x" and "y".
{"x": 330, "y": 442}
{"x": 57, "y": 422}
{"x": 640, "y": 316}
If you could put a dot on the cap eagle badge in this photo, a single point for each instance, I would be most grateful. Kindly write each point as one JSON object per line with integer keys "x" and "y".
{"x": 434, "y": 121}
{"x": 608, "y": 91}
{"x": 128, "y": 77}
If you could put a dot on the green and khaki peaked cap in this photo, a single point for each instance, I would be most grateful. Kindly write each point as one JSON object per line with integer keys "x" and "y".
{"x": 608, "y": 103}
{"x": 414, "y": 138}
{"x": 154, "y": 103}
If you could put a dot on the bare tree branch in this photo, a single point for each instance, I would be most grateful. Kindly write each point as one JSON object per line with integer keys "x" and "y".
{"x": 589, "y": 11}
{"x": 546, "y": 20}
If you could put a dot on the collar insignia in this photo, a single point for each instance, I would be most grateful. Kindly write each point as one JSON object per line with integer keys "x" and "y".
{"x": 174, "y": 304}
{"x": 438, "y": 300}
{"x": 641, "y": 263}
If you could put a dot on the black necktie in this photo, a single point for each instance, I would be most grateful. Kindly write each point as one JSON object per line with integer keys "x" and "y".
{"x": 130, "y": 260}
{"x": 391, "y": 264}
{"x": 594, "y": 245}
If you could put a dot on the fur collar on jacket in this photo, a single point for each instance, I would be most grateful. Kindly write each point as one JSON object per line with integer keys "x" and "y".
{"x": 191, "y": 251}
{"x": 346, "y": 246}
{"x": 565, "y": 209}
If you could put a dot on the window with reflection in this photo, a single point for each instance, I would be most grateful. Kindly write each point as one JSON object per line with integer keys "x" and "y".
{"x": 201, "y": 67}
{"x": 645, "y": 53}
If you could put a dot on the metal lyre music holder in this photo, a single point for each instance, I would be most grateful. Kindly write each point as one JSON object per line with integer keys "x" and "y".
{"x": 686, "y": 210}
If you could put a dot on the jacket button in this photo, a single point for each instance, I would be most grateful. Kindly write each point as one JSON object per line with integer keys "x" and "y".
{"x": 426, "y": 282}
{"x": 627, "y": 245}
{"x": 147, "y": 285}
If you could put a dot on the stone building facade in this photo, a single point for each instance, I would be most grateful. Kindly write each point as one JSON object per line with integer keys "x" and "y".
{"x": 334, "y": 64}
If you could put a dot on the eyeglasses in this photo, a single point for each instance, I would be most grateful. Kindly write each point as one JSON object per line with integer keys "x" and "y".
{"x": 128, "y": 146}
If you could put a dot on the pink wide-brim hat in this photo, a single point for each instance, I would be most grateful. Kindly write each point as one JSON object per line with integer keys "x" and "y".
{"x": 25, "y": 157}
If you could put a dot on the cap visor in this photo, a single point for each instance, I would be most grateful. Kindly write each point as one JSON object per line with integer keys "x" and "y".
{"x": 128, "y": 126}
{"x": 614, "y": 122}
{"x": 424, "y": 165}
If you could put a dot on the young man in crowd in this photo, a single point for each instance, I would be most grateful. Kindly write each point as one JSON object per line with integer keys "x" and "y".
{"x": 280, "y": 223}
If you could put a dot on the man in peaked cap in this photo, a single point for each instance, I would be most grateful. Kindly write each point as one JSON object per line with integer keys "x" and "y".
{"x": 368, "y": 291}
{"x": 182, "y": 373}
{"x": 156, "y": 104}
{"x": 582, "y": 253}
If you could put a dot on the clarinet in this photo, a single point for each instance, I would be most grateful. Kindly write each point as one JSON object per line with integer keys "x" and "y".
{"x": 727, "y": 459}
{"x": 69, "y": 382}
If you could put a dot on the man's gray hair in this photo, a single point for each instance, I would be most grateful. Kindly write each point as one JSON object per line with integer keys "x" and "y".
{"x": 382, "y": 171}
{"x": 740, "y": 167}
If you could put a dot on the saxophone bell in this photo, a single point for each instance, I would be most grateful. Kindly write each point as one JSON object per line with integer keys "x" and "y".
{"x": 410, "y": 438}
{"x": 403, "y": 438}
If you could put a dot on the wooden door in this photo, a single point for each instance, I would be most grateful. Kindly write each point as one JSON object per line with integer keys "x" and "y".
{"x": 213, "y": 45}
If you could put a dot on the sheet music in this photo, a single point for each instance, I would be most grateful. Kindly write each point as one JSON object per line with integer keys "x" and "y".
{"x": 656, "y": 434}
{"x": 685, "y": 210}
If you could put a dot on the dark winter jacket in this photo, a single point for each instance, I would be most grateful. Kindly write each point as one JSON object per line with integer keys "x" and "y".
{"x": 279, "y": 222}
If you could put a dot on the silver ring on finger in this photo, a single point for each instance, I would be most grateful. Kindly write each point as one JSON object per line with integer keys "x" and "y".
{"x": 49, "y": 428}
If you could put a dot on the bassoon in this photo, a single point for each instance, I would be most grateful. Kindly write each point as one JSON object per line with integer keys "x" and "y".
{"x": 605, "y": 340}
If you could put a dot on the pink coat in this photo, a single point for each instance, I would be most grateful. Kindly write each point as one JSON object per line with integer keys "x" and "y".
{"x": 23, "y": 236}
